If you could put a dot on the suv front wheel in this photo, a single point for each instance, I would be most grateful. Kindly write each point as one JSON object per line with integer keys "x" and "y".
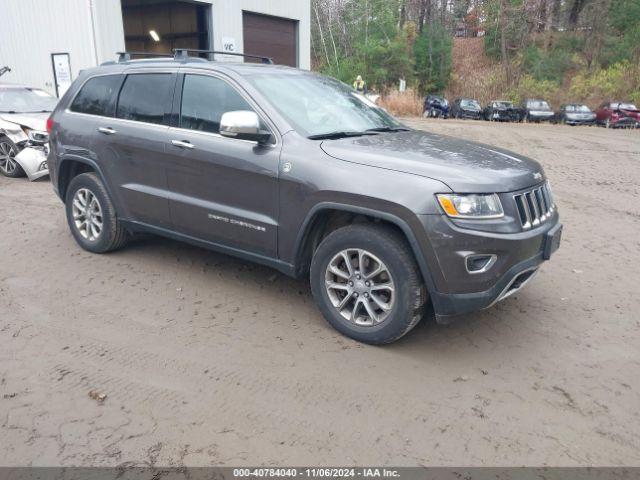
{"x": 91, "y": 215}
{"x": 367, "y": 284}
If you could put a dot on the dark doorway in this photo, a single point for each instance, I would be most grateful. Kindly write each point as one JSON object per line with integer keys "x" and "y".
{"x": 273, "y": 37}
{"x": 158, "y": 26}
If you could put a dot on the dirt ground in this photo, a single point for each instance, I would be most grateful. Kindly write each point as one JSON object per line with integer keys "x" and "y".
{"x": 210, "y": 360}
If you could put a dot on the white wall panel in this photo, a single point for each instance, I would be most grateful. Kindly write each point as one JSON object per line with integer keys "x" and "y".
{"x": 91, "y": 31}
{"x": 34, "y": 29}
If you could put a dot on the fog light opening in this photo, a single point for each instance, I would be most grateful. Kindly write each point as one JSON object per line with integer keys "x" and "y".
{"x": 480, "y": 263}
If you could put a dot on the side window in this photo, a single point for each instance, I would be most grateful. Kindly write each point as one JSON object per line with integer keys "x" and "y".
{"x": 98, "y": 96}
{"x": 204, "y": 100}
{"x": 145, "y": 97}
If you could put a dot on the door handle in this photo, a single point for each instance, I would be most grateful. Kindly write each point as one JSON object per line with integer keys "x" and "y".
{"x": 106, "y": 130}
{"x": 183, "y": 144}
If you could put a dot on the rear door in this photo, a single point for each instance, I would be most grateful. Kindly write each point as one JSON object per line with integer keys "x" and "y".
{"x": 131, "y": 146}
{"x": 223, "y": 190}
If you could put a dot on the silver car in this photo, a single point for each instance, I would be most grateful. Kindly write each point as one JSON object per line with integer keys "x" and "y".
{"x": 24, "y": 141}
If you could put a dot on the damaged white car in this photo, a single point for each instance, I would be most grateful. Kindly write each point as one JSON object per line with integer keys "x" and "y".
{"x": 24, "y": 142}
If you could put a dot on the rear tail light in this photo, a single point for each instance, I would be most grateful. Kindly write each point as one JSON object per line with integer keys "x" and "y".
{"x": 49, "y": 125}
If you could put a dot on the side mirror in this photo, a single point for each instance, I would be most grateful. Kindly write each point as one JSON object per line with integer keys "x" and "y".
{"x": 243, "y": 125}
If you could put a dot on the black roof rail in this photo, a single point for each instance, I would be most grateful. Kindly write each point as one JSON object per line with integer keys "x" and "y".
{"x": 4, "y": 70}
{"x": 126, "y": 56}
{"x": 183, "y": 54}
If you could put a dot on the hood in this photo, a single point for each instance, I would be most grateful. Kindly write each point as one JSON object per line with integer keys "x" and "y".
{"x": 466, "y": 167}
{"x": 35, "y": 121}
{"x": 630, "y": 113}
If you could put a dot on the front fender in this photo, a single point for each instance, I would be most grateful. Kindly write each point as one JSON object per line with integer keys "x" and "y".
{"x": 418, "y": 242}
{"x": 13, "y": 132}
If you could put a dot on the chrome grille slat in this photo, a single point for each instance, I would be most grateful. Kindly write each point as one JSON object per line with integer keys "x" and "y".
{"x": 534, "y": 206}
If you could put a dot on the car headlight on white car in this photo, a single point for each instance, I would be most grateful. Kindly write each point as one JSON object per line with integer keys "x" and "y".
{"x": 471, "y": 206}
{"x": 35, "y": 136}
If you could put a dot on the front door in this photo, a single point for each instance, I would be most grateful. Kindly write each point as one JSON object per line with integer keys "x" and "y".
{"x": 222, "y": 190}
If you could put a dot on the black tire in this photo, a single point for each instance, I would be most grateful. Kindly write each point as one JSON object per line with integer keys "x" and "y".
{"x": 113, "y": 235}
{"x": 7, "y": 145}
{"x": 392, "y": 249}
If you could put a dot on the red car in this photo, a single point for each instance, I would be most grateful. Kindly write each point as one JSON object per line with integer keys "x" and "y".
{"x": 618, "y": 114}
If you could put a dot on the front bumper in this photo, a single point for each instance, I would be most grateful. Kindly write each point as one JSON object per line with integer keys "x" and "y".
{"x": 472, "y": 115}
{"x": 503, "y": 116}
{"x": 580, "y": 121}
{"x": 540, "y": 117}
{"x": 625, "y": 122}
{"x": 33, "y": 160}
{"x": 517, "y": 259}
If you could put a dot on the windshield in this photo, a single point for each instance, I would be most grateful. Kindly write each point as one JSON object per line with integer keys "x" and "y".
{"x": 318, "y": 105}
{"x": 470, "y": 104}
{"x": 578, "y": 108}
{"x": 627, "y": 106}
{"x": 538, "y": 105}
{"x": 502, "y": 104}
{"x": 26, "y": 100}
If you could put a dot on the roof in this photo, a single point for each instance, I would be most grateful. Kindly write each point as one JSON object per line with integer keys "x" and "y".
{"x": 200, "y": 63}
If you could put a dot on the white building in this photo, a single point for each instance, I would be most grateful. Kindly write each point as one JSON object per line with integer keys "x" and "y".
{"x": 47, "y": 42}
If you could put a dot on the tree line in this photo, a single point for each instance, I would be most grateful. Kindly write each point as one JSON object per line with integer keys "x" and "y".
{"x": 535, "y": 43}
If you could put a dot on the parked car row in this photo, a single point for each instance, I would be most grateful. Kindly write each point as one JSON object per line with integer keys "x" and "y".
{"x": 608, "y": 114}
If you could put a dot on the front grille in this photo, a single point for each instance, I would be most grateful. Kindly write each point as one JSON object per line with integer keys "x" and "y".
{"x": 534, "y": 206}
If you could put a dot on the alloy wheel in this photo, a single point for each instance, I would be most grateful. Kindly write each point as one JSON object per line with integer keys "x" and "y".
{"x": 7, "y": 158}
{"x": 360, "y": 287}
{"x": 87, "y": 214}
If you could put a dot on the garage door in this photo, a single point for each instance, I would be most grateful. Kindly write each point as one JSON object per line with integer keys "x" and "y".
{"x": 273, "y": 37}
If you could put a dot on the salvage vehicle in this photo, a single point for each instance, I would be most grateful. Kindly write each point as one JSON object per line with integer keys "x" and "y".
{"x": 575, "y": 114}
{"x": 466, "y": 108}
{"x": 298, "y": 171}
{"x": 500, "y": 111}
{"x": 23, "y": 137}
{"x": 535, "y": 111}
{"x": 618, "y": 115}
{"x": 435, "y": 106}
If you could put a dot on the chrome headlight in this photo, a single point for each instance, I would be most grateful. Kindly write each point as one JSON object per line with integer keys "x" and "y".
{"x": 472, "y": 206}
{"x": 36, "y": 136}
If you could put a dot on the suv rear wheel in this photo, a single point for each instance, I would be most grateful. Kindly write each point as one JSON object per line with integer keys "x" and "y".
{"x": 367, "y": 284}
{"x": 91, "y": 215}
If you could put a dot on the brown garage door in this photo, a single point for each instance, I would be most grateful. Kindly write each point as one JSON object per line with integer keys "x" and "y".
{"x": 273, "y": 37}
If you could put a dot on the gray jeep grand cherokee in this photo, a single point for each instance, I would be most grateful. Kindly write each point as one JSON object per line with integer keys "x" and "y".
{"x": 299, "y": 172}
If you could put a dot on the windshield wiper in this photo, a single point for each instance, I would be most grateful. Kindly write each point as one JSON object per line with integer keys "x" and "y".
{"x": 334, "y": 135}
{"x": 388, "y": 129}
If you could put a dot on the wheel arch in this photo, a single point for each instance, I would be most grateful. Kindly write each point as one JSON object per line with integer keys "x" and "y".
{"x": 313, "y": 230}
{"x": 71, "y": 166}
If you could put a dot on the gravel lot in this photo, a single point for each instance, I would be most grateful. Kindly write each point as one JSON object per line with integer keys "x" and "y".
{"x": 210, "y": 360}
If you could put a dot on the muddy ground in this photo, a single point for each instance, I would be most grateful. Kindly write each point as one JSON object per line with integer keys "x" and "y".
{"x": 210, "y": 360}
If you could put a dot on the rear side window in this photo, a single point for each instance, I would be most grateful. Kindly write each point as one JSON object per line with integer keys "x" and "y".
{"x": 146, "y": 97}
{"x": 98, "y": 96}
{"x": 205, "y": 99}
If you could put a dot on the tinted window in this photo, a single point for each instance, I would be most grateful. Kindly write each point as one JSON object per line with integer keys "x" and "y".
{"x": 204, "y": 100}
{"x": 97, "y": 96}
{"x": 146, "y": 97}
